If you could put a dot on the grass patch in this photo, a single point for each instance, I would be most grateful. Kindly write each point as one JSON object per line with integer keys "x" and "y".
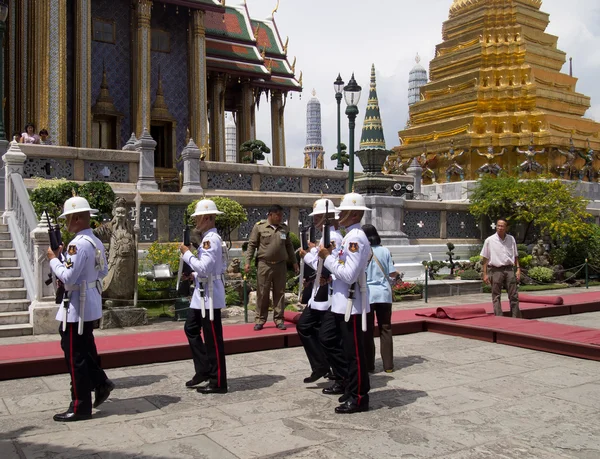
{"x": 159, "y": 310}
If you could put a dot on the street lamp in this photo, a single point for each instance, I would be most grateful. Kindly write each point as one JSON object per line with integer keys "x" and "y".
{"x": 352, "y": 96}
{"x": 3, "y": 15}
{"x": 338, "y": 85}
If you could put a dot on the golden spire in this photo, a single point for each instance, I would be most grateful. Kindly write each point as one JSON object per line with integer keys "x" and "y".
{"x": 274, "y": 10}
{"x": 285, "y": 46}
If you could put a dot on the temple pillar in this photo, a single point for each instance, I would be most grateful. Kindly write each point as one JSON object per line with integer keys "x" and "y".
{"x": 52, "y": 69}
{"x": 82, "y": 117}
{"x": 217, "y": 119}
{"x": 191, "y": 168}
{"x": 146, "y": 145}
{"x": 143, "y": 67}
{"x": 245, "y": 115}
{"x": 277, "y": 130}
{"x": 198, "y": 91}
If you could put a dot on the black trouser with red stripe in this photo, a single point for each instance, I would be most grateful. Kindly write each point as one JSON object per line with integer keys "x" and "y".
{"x": 208, "y": 355}
{"x": 357, "y": 382}
{"x": 330, "y": 337}
{"x": 308, "y": 329}
{"x": 83, "y": 364}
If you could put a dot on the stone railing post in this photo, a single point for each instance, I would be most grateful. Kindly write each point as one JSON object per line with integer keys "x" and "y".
{"x": 14, "y": 161}
{"x": 42, "y": 309}
{"x": 416, "y": 171}
{"x": 130, "y": 145}
{"x": 146, "y": 145}
{"x": 191, "y": 168}
{"x": 3, "y": 149}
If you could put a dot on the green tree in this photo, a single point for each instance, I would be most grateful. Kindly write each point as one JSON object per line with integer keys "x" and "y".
{"x": 545, "y": 207}
{"x": 233, "y": 215}
{"x": 255, "y": 150}
{"x": 344, "y": 155}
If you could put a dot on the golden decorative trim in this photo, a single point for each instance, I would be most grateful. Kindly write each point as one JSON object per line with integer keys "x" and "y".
{"x": 572, "y": 131}
{"x": 552, "y": 83}
{"x": 539, "y": 42}
{"x": 450, "y": 89}
{"x": 465, "y": 44}
{"x": 434, "y": 135}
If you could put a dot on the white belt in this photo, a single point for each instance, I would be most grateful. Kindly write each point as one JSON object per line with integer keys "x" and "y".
{"x": 90, "y": 286}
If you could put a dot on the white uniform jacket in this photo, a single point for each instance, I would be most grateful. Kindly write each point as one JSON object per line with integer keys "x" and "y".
{"x": 312, "y": 260}
{"x": 79, "y": 264}
{"x": 209, "y": 262}
{"x": 347, "y": 267}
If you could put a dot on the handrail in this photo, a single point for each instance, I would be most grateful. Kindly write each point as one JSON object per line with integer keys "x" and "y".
{"x": 22, "y": 220}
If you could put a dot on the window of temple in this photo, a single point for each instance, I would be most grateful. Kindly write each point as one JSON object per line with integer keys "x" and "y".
{"x": 162, "y": 133}
{"x": 103, "y": 30}
{"x": 160, "y": 41}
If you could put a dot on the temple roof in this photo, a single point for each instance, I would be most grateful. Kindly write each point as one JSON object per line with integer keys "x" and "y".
{"x": 238, "y": 44}
{"x": 209, "y": 5}
{"x": 372, "y": 133}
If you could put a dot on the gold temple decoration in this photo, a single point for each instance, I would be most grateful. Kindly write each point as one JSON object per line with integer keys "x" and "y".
{"x": 476, "y": 96}
{"x": 294, "y": 65}
{"x": 275, "y": 10}
{"x": 285, "y": 46}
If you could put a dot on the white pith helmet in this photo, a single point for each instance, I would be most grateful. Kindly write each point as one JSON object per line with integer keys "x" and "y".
{"x": 75, "y": 205}
{"x": 352, "y": 201}
{"x": 323, "y": 206}
{"x": 206, "y": 207}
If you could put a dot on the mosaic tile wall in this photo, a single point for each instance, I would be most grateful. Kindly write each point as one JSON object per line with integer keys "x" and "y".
{"x": 173, "y": 67}
{"x": 256, "y": 214}
{"x": 117, "y": 58}
{"x": 70, "y": 70}
{"x": 422, "y": 224}
{"x": 462, "y": 225}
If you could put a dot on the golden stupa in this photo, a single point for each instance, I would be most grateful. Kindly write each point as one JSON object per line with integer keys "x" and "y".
{"x": 495, "y": 94}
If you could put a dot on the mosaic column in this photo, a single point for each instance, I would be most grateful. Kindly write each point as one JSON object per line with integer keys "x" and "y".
{"x": 277, "y": 132}
{"x": 198, "y": 91}
{"x": 142, "y": 120}
{"x": 245, "y": 131}
{"x": 54, "y": 73}
{"x": 82, "y": 116}
{"x": 217, "y": 119}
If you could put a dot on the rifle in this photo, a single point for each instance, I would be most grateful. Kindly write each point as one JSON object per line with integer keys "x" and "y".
{"x": 304, "y": 246}
{"x": 183, "y": 287}
{"x": 326, "y": 244}
{"x": 61, "y": 296}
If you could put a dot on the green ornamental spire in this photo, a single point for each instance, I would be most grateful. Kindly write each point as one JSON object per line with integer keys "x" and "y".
{"x": 372, "y": 134}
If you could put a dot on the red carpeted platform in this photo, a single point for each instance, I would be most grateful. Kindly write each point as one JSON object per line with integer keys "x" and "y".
{"x": 37, "y": 359}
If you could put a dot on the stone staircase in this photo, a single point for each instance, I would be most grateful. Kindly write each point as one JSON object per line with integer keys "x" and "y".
{"x": 14, "y": 305}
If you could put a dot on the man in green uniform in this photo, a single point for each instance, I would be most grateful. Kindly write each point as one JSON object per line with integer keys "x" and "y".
{"x": 270, "y": 239}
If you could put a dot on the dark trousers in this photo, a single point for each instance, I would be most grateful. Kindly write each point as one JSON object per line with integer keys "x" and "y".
{"x": 208, "y": 354}
{"x": 308, "y": 328}
{"x": 357, "y": 382}
{"x": 330, "y": 338}
{"x": 83, "y": 364}
{"x": 504, "y": 278}
{"x": 384, "y": 323}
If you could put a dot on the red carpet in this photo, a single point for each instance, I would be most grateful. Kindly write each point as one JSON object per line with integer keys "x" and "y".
{"x": 455, "y": 313}
{"x": 556, "y": 300}
{"x": 292, "y": 317}
{"x": 45, "y": 358}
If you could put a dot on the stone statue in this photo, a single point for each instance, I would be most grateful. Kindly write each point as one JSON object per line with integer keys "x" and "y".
{"x": 588, "y": 167}
{"x": 490, "y": 167}
{"x": 307, "y": 161}
{"x": 424, "y": 163}
{"x": 320, "y": 162}
{"x": 568, "y": 168}
{"x": 122, "y": 255}
{"x": 530, "y": 164}
{"x": 540, "y": 255}
{"x": 454, "y": 168}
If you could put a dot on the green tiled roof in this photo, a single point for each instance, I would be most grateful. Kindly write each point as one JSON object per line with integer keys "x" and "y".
{"x": 237, "y": 67}
{"x": 235, "y": 26}
{"x": 279, "y": 67}
{"x": 372, "y": 133}
{"x": 281, "y": 83}
{"x": 268, "y": 38}
{"x": 229, "y": 50}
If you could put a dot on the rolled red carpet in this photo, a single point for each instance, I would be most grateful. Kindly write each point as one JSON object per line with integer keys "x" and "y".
{"x": 290, "y": 316}
{"x": 456, "y": 313}
{"x": 555, "y": 300}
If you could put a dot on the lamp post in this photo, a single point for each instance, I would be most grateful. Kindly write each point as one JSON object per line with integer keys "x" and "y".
{"x": 338, "y": 85}
{"x": 352, "y": 96}
{"x": 3, "y": 15}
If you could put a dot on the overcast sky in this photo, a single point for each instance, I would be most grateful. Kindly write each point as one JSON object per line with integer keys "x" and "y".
{"x": 348, "y": 36}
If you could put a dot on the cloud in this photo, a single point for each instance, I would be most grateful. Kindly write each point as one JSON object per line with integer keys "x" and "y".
{"x": 343, "y": 37}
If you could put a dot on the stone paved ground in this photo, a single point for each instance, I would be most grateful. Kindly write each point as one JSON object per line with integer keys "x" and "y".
{"x": 450, "y": 398}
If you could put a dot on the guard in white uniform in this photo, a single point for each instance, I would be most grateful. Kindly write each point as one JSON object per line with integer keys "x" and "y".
{"x": 350, "y": 302}
{"x": 207, "y": 301}
{"x": 310, "y": 322}
{"x": 81, "y": 271}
